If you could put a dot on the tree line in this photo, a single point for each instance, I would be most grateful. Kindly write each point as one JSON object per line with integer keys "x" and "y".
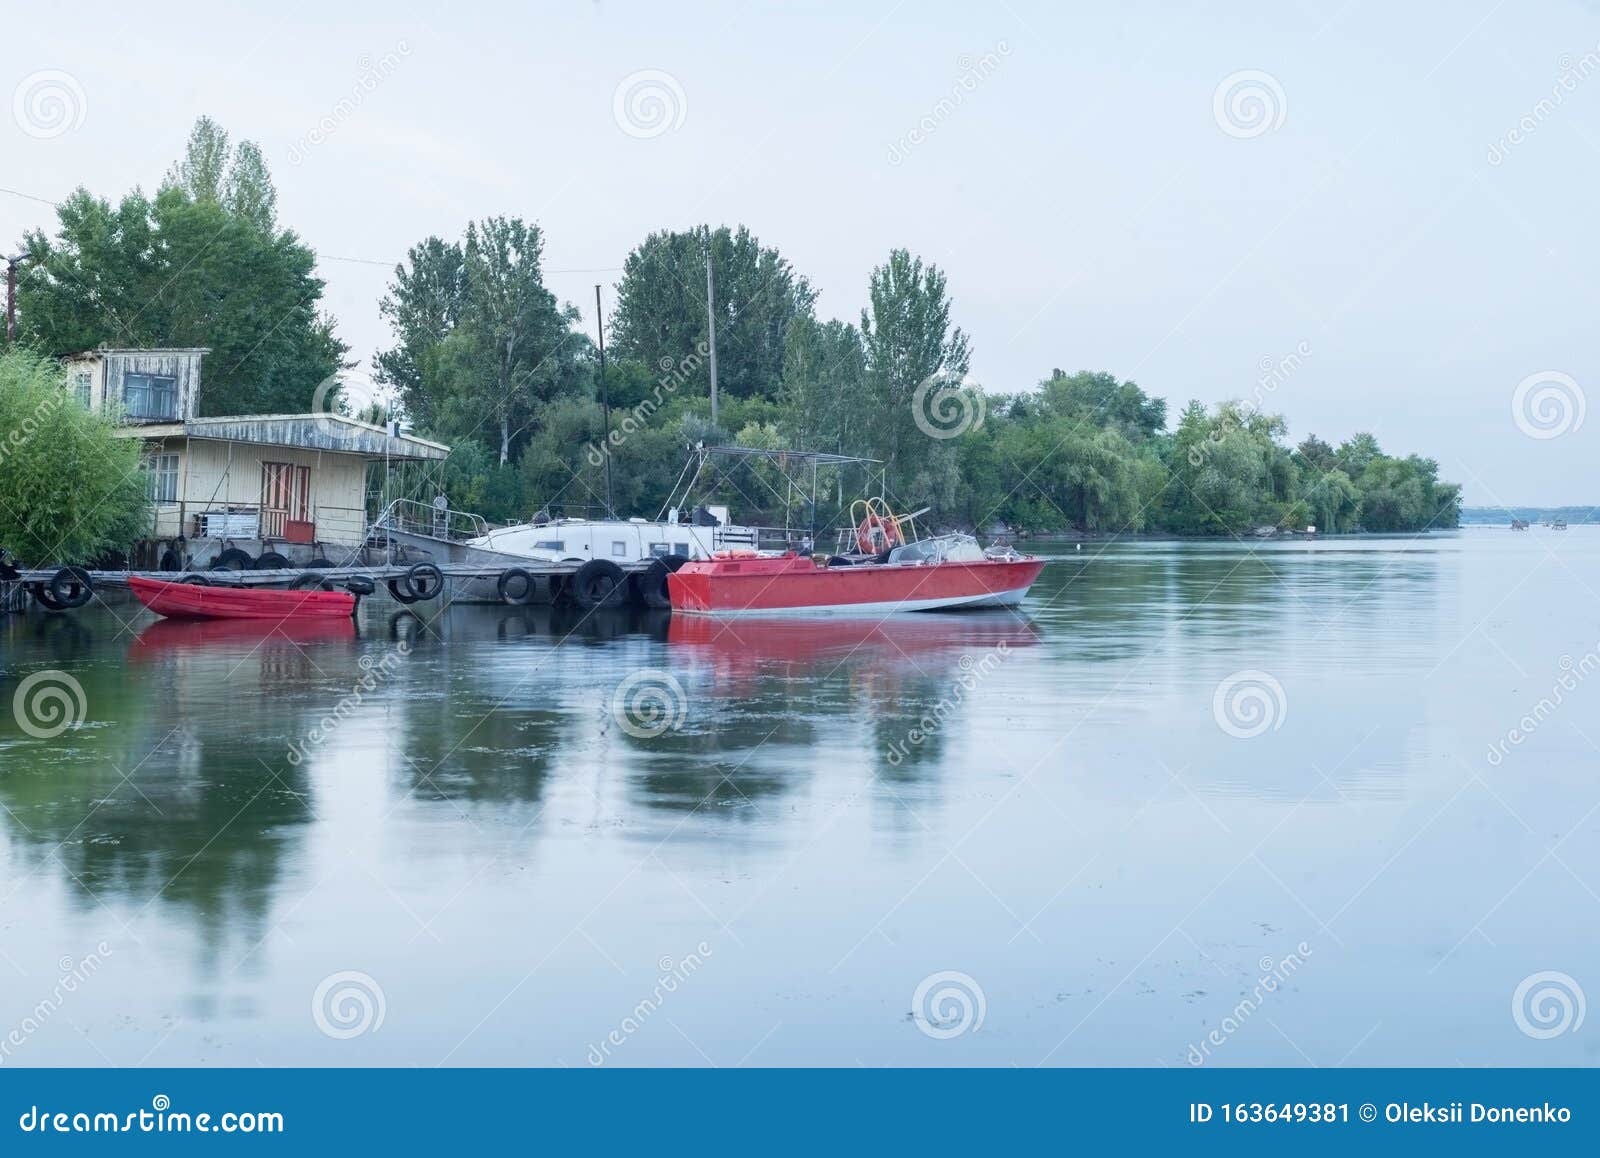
{"x": 487, "y": 358}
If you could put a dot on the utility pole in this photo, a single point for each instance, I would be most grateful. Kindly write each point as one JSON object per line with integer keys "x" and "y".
{"x": 711, "y": 330}
{"x": 605, "y": 395}
{"x": 11, "y": 295}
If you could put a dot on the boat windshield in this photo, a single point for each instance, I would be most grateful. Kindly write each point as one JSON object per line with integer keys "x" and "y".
{"x": 954, "y": 548}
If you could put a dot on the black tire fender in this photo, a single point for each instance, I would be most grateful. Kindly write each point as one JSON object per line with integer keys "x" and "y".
{"x": 42, "y": 596}
{"x": 651, "y": 584}
{"x": 270, "y": 561}
{"x": 71, "y": 587}
{"x": 360, "y": 585}
{"x": 232, "y": 559}
{"x": 195, "y": 581}
{"x": 310, "y": 581}
{"x": 514, "y": 595}
{"x": 599, "y": 583}
{"x": 424, "y": 581}
{"x": 398, "y": 591}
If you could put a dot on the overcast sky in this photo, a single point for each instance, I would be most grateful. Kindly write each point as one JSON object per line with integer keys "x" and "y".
{"x": 1181, "y": 196}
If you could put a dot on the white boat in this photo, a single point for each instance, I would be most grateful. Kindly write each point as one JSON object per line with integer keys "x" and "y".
{"x": 706, "y": 532}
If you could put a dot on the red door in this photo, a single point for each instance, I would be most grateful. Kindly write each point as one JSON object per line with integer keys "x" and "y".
{"x": 285, "y": 499}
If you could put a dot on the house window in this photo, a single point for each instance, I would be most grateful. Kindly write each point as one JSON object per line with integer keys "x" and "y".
{"x": 82, "y": 385}
{"x": 619, "y": 549}
{"x": 161, "y": 473}
{"x": 150, "y": 396}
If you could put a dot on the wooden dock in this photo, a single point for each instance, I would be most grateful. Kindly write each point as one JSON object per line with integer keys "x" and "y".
{"x": 588, "y": 583}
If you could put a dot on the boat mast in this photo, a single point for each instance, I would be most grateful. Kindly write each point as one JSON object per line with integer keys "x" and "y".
{"x": 605, "y": 395}
{"x": 711, "y": 330}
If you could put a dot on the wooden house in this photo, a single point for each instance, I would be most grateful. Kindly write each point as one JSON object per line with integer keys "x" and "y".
{"x": 292, "y": 484}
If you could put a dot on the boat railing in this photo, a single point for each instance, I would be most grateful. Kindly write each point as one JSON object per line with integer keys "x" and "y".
{"x": 411, "y": 517}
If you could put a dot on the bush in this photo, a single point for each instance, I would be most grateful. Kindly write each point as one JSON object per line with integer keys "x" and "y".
{"x": 70, "y": 489}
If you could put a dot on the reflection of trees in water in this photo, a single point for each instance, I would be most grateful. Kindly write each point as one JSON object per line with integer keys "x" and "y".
{"x": 161, "y": 795}
{"x": 461, "y": 745}
{"x": 474, "y": 736}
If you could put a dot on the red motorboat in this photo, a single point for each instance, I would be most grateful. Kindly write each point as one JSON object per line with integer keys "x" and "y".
{"x": 884, "y": 568}
{"x": 197, "y": 601}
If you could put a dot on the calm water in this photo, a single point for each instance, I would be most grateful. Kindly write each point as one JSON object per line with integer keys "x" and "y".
{"x": 1053, "y": 804}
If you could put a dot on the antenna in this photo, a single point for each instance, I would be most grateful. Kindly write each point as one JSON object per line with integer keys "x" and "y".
{"x": 605, "y": 394}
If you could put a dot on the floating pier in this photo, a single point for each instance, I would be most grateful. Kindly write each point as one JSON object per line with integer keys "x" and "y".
{"x": 586, "y": 583}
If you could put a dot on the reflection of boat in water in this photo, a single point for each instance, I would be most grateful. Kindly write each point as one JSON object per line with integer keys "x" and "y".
{"x": 166, "y": 635}
{"x": 803, "y": 639}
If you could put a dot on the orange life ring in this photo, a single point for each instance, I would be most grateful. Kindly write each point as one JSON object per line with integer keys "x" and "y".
{"x": 864, "y": 538}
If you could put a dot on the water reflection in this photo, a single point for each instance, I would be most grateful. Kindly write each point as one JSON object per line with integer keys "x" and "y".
{"x": 469, "y": 761}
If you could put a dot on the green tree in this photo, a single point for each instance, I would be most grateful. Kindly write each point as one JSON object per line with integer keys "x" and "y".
{"x": 70, "y": 488}
{"x": 661, "y": 311}
{"x": 481, "y": 346}
{"x": 1333, "y": 500}
{"x": 200, "y": 264}
{"x": 824, "y": 372}
{"x": 910, "y": 347}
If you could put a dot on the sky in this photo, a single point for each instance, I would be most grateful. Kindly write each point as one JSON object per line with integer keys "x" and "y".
{"x": 1368, "y": 216}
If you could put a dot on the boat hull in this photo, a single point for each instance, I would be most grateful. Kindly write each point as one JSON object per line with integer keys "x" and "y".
{"x": 796, "y": 586}
{"x": 191, "y": 601}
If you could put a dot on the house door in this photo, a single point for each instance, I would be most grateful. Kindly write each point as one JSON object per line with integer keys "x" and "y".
{"x": 285, "y": 498}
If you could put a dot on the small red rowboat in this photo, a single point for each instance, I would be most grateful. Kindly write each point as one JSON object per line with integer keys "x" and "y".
{"x": 194, "y": 601}
{"x": 797, "y": 584}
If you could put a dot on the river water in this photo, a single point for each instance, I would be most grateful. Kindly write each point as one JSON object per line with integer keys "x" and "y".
{"x": 1195, "y": 803}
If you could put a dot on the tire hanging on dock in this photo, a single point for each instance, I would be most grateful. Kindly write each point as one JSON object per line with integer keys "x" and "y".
{"x": 424, "y": 581}
{"x": 232, "y": 559}
{"x": 651, "y": 584}
{"x": 270, "y": 561}
{"x": 71, "y": 587}
{"x": 310, "y": 581}
{"x": 599, "y": 583}
{"x": 516, "y": 587}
